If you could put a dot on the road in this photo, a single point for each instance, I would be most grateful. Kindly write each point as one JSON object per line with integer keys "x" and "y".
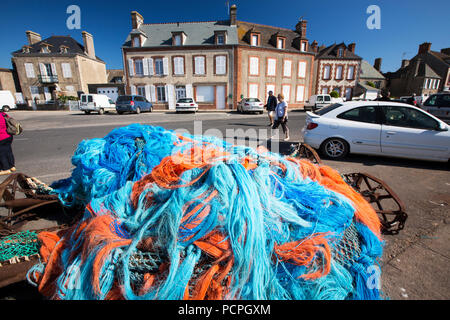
{"x": 415, "y": 262}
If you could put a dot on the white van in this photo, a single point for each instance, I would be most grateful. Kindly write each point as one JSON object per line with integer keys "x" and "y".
{"x": 96, "y": 102}
{"x": 7, "y": 101}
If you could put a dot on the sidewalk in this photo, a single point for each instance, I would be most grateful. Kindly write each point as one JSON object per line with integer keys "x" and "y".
{"x": 421, "y": 271}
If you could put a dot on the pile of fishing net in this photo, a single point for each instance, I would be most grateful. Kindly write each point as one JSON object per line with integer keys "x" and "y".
{"x": 171, "y": 216}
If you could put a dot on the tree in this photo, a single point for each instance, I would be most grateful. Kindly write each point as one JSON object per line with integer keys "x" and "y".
{"x": 370, "y": 84}
{"x": 334, "y": 94}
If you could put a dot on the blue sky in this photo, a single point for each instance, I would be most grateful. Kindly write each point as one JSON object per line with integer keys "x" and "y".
{"x": 404, "y": 24}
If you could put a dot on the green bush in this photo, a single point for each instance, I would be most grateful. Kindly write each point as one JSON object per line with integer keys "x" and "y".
{"x": 334, "y": 94}
{"x": 64, "y": 99}
{"x": 370, "y": 84}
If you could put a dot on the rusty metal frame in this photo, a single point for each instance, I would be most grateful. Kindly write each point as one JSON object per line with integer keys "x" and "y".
{"x": 305, "y": 151}
{"x": 392, "y": 221}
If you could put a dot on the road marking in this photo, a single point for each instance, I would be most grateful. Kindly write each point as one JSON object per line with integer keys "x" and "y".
{"x": 21, "y": 139}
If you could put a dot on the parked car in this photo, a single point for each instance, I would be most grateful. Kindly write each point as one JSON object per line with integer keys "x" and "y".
{"x": 438, "y": 105}
{"x": 378, "y": 128}
{"x": 317, "y": 101}
{"x": 250, "y": 105}
{"x": 133, "y": 103}
{"x": 95, "y": 103}
{"x": 7, "y": 101}
{"x": 186, "y": 104}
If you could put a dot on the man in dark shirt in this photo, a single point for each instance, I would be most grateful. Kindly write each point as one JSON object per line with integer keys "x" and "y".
{"x": 384, "y": 96}
{"x": 271, "y": 105}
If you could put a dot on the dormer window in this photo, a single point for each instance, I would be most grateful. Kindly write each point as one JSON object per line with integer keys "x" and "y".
{"x": 178, "y": 38}
{"x": 136, "y": 42}
{"x": 255, "y": 39}
{"x": 220, "y": 37}
{"x": 25, "y": 49}
{"x": 281, "y": 41}
{"x": 63, "y": 49}
{"x": 340, "y": 52}
{"x": 45, "y": 49}
{"x": 303, "y": 46}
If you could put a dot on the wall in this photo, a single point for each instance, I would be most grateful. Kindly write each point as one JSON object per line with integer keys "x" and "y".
{"x": 7, "y": 80}
{"x": 332, "y": 82}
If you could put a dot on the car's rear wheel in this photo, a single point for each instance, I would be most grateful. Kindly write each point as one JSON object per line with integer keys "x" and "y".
{"x": 5, "y": 109}
{"x": 120, "y": 112}
{"x": 335, "y": 148}
{"x": 101, "y": 111}
{"x": 87, "y": 112}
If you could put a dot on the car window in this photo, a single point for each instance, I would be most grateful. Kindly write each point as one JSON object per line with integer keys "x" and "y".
{"x": 185, "y": 100}
{"x": 90, "y": 99}
{"x": 361, "y": 114}
{"x": 431, "y": 101}
{"x": 253, "y": 100}
{"x": 83, "y": 98}
{"x": 327, "y": 98}
{"x": 408, "y": 117}
{"x": 444, "y": 101}
{"x": 319, "y": 98}
{"x": 124, "y": 98}
{"x": 137, "y": 98}
{"x": 327, "y": 109}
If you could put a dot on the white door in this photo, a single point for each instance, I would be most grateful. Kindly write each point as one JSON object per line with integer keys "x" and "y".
{"x": 47, "y": 94}
{"x": 360, "y": 128}
{"x": 408, "y": 132}
{"x": 220, "y": 97}
{"x": 112, "y": 93}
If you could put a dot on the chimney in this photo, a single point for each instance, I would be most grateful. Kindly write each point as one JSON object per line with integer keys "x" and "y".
{"x": 314, "y": 46}
{"x": 377, "y": 64}
{"x": 300, "y": 27}
{"x": 233, "y": 14}
{"x": 424, "y": 47}
{"x": 351, "y": 47}
{"x": 33, "y": 37}
{"x": 88, "y": 42}
{"x": 136, "y": 19}
{"x": 405, "y": 63}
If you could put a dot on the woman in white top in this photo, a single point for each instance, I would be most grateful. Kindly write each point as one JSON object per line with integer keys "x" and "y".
{"x": 281, "y": 116}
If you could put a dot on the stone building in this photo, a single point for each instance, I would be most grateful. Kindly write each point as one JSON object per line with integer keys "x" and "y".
{"x": 216, "y": 62}
{"x": 336, "y": 69}
{"x": 7, "y": 80}
{"x": 426, "y": 73}
{"x": 56, "y": 66}
{"x": 371, "y": 81}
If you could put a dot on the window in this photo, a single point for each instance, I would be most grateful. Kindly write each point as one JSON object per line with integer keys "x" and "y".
{"x": 180, "y": 92}
{"x": 302, "y": 69}
{"x": 141, "y": 91}
{"x": 204, "y": 93}
{"x": 220, "y": 65}
{"x": 138, "y": 67}
{"x": 253, "y": 89}
{"x": 338, "y": 91}
{"x": 199, "y": 65}
{"x": 425, "y": 84}
{"x": 67, "y": 71}
{"x": 159, "y": 66}
{"x": 409, "y": 118}
{"x": 326, "y": 72}
{"x": 280, "y": 43}
{"x": 254, "y": 66}
{"x": 350, "y": 72}
{"x": 303, "y": 46}
{"x": 339, "y": 72}
{"x": 286, "y": 90}
{"x": 220, "y": 38}
{"x": 366, "y": 114}
{"x": 340, "y": 52}
{"x": 325, "y": 90}
{"x": 437, "y": 84}
{"x": 34, "y": 90}
{"x": 271, "y": 67}
{"x": 327, "y": 109}
{"x": 136, "y": 42}
{"x": 63, "y": 49}
{"x": 348, "y": 94}
{"x": 254, "y": 40}
{"x": 287, "y": 68}
{"x": 300, "y": 93}
{"x": 161, "y": 93}
{"x": 45, "y": 49}
{"x": 29, "y": 70}
{"x": 177, "y": 40}
{"x": 178, "y": 65}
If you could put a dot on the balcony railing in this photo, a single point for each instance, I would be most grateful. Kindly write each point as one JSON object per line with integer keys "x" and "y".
{"x": 48, "y": 79}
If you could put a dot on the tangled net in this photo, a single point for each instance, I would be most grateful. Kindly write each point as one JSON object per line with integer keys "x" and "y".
{"x": 171, "y": 216}
{"x": 18, "y": 245}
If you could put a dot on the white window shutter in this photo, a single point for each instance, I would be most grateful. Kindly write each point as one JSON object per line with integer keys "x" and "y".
{"x": 189, "y": 92}
{"x": 153, "y": 93}
{"x": 54, "y": 69}
{"x": 150, "y": 66}
{"x": 171, "y": 96}
{"x": 43, "y": 69}
{"x": 286, "y": 92}
{"x": 302, "y": 69}
{"x": 29, "y": 70}
{"x": 133, "y": 90}
{"x": 145, "y": 66}
{"x": 148, "y": 95}
{"x": 130, "y": 67}
{"x": 166, "y": 92}
{"x": 300, "y": 93}
{"x": 165, "y": 66}
{"x": 287, "y": 68}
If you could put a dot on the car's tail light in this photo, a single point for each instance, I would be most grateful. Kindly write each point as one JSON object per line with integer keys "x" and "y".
{"x": 131, "y": 103}
{"x": 191, "y": 104}
{"x": 246, "y": 104}
{"x": 177, "y": 105}
{"x": 311, "y": 126}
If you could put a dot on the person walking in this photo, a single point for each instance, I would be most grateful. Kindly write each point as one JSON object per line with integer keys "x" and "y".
{"x": 271, "y": 105}
{"x": 6, "y": 154}
{"x": 281, "y": 116}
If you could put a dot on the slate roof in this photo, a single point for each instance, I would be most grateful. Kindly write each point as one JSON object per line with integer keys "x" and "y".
{"x": 55, "y": 43}
{"x": 331, "y": 52}
{"x": 197, "y": 33}
{"x": 367, "y": 71}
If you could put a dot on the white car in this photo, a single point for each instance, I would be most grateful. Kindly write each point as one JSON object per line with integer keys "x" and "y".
{"x": 377, "y": 128}
{"x": 186, "y": 104}
{"x": 250, "y": 105}
{"x": 317, "y": 101}
{"x": 96, "y": 102}
{"x": 7, "y": 101}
